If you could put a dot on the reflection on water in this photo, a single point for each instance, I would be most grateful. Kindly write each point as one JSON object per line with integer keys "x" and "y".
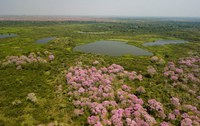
{"x": 164, "y": 42}
{"x": 112, "y": 48}
{"x": 7, "y": 35}
{"x": 44, "y": 40}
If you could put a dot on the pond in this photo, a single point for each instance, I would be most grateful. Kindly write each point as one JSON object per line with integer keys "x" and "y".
{"x": 164, "y": 42}
{"x": 112, "y": 48}
{"x": 8, "y": 35}
{"x": 44, "y": 40}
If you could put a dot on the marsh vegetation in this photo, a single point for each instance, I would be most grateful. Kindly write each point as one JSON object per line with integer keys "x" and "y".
{"x": 51, "y": 84}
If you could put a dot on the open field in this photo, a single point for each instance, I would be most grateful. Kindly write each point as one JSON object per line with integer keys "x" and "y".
{"x": 50, "y": 84}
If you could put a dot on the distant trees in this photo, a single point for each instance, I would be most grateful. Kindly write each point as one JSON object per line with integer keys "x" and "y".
{"x": 181, "y": 29}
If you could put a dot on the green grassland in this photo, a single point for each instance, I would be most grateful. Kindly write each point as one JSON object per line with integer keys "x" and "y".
{"x": 48, "y": 81}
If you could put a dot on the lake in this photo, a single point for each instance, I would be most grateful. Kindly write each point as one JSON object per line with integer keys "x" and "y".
{"x": 164, "y": 42}
{"x": 44, "y": 40}
{"x": 8, "y": 35}
{"x": 112, "y": 48}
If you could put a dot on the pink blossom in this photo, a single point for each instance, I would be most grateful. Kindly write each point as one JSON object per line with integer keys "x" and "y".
{"x": 171, "y": 116}
{"x": 130, "y": 122}
{"x": 174, "y": 78}
{"x": 164, "y": 124}
{"x": 104, "y": 69}
{"x": 149, "y": 119}
{"x": 98, "y": 124}
{"x": 137, "y": 114}
{"x": 106, "y": 122}
{"x": 175, "y": 101}
{"x": 151, "y": 70}
{"x": 179, "y": 71}
{"x": 108, "y": 103}
{"x": 139, "y": 77}
{"x": 116, "y": 118}
{"x": 176, "y": 112}
{"x": 51, "y": 57}
{"x": 154, "y": 105}
{"x": 126, "y": 88}
{"x": 76, "y": 103}
{"x": 190, "y": 107}
{"x": 22, "y": 60}
{"x": 141, "y": 122}
{"x": 184, "y": 115}
{"x": 128, "y": 112}
{"x": 157, "y": 107}
{"x": 192, "y": 78}
{"x": 81, "y": 90}
{"x": 93, "y": 120}
{"x": 186, "y": 122}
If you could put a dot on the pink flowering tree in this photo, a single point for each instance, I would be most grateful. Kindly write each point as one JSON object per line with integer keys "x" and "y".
{"x": 109, "y": 102}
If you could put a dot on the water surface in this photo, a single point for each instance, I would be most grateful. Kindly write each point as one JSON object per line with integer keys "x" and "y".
{"x": 112, "y": 48}
{"x": 7, "y": 35}
{"x": 164, "y": 42}
{"x": 44, "y": 40}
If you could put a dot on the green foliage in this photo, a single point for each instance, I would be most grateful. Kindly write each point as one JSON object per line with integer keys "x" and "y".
{"x": 53, "y": 105}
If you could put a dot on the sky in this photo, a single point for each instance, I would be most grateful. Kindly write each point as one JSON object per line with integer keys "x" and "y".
{"x": 150, "y": 8}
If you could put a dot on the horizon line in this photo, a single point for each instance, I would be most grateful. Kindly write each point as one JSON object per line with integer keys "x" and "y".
{"x": 101, "y": 16}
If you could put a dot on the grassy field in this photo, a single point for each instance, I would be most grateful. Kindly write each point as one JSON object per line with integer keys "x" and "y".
{"x": 36, "y": 92}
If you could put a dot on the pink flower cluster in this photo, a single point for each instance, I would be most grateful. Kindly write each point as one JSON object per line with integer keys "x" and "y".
{"x": 151, "y": 70}
{"x": 106, "y": 97}
{"x": 22, "y": 60}
{"x": 189, "y": 115}
{"x": 103, "y": 94}
{"x": 190, "y": 120}
{"x": 173, "y": 72}
{"x": 156, "y": 107}
{"x": 175, "y": 101}
{"x": 186, "y": 122}
{"x": 188, "y": 70}
{"x": 189, "y": 61}
{"x": 157, "y": 60}
{"x": 165, "y": 124}
{"x": 51, "y": 57}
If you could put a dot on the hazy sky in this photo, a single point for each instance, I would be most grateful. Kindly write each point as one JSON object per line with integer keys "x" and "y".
{"x": 180, "y": 8}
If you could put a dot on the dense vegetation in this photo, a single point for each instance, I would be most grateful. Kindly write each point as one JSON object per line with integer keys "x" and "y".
{"x": 34, "y": 89}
